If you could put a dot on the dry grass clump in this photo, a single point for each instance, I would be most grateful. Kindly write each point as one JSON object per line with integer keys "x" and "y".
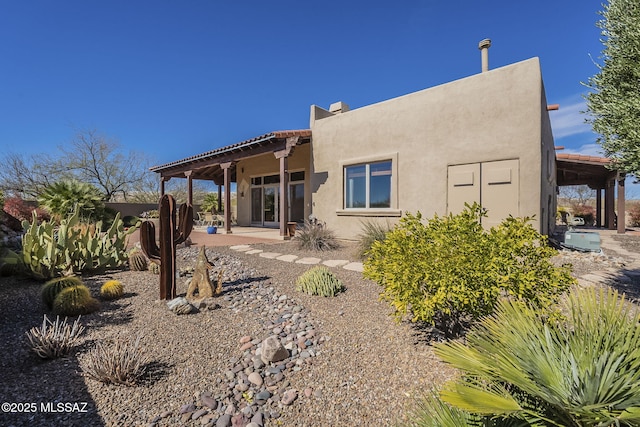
{"x": 118, "y": 362}
{"x": 54, "y": 339}
{"x": 314, "y": 235}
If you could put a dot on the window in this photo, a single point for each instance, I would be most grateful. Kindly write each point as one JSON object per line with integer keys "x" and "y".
{"x": 368, "y": 185}
{"x": 296, "y": 176}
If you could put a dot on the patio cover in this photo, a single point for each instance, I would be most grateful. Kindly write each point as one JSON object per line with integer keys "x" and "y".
{"x": 219, "y": 166}
{"x": 597, "y": 173}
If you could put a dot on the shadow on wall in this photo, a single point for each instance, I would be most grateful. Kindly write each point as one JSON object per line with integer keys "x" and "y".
{"x": 318, "y": 179}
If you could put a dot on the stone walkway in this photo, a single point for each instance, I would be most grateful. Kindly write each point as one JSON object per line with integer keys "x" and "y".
{"x": 630, "y": 273}
{"x": 346, "y": 264}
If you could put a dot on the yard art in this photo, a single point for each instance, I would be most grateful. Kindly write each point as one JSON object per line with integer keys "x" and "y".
{"x": 172, "y": 233}
{"x": 200, "y": 284}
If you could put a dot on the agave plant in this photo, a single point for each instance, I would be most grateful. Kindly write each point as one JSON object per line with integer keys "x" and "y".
{"x": 522, "y": 368}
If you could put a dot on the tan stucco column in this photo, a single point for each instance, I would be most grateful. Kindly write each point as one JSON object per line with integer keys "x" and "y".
{"x": 226, "y": 167}
{"x": 621, "y": 202}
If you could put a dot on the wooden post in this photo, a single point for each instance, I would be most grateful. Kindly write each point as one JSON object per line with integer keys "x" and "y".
{"x": 227, "y": 195}
{"x": 189, "y": 175}
{"x": 284, "y": 199}
{"x": 599, "y": 207}
{"x": 283, "y": 155}
{"x": 621, "y": 202}
{"x": 609, "y": 211}
{"x": 163, "y": 179}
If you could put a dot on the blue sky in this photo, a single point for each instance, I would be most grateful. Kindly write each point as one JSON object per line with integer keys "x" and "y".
{"x": 176, "y": 78}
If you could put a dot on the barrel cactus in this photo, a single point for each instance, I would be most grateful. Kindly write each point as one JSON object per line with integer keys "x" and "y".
{"x": 52, "y": 288}
{"x": 75, "y": 300}
{"x": 154, "y": 268}
{"x": 137, "y": 261}
{"x": 319, "y": 281}
{"x": 112, "y": 289}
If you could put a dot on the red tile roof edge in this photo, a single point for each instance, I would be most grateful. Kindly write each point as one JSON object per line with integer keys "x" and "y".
{"x": 267, "y": 136}
{"x": 583, "y": 158}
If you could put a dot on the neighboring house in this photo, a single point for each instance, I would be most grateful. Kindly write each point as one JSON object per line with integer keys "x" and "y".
{"x": 485, "y": 138}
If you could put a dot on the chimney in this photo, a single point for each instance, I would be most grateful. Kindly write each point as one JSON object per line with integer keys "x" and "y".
{"x": 484, "y": 46}
{"x": 338, "y": 107}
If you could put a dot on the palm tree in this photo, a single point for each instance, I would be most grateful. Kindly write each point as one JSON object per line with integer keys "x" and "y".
{"x": 62, "y": 197}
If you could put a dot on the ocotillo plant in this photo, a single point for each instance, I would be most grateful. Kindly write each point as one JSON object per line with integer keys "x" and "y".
{"x": 170, "y": 236}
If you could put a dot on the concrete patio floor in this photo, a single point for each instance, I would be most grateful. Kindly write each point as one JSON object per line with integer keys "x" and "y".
{"x": 239, "y": 236}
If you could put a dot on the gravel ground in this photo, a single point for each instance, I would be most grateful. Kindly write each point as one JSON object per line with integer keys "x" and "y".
{"x": 367, "y": 369}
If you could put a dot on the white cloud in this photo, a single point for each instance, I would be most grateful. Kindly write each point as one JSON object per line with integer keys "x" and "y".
{"x": 569, "y": 120}
{"x": 586, "y": 150}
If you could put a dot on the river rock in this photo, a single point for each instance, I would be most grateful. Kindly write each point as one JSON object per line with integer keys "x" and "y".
{"x": 272, "y": 350}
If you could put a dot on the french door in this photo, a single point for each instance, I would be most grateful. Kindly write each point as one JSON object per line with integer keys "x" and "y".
{"x": 265, "y": 206}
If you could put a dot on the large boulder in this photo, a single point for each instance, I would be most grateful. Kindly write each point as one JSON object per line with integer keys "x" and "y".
{"x": 272, "y": 350}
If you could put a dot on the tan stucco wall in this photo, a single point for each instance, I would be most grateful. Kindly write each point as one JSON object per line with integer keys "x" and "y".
{"x": 496, "y": 115}
{"x": 267, "y": 164}
{"x": 548, "y": 185}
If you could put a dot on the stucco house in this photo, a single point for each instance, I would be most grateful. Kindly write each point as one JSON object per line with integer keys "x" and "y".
{"x": 484, "y": 138}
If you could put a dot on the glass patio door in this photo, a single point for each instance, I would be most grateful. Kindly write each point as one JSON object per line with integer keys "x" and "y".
{"x": 270, "y": 204}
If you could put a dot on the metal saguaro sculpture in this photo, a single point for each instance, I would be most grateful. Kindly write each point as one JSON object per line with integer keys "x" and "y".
{"x": 171, "y": 235}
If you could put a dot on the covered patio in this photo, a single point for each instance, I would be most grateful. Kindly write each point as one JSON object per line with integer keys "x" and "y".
{"x": 267, "y": 156}
{"x": 596, "y": 172}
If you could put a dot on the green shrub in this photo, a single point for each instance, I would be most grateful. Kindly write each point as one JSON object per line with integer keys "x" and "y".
{"x": 10, "y": 262}
{"x": 75, "y": 300}
{"x": 52, "y": 288}
{"x": 371, "y": 232}
{"x": 112, "y": 289}
{"x": 210, "y": 203}
{"x": 452, "y": 271}
{"x": 130, "y": 221}
{"x": 588, "y": 213}
{"x": 314, "y": 235}
{"x": 520, "y": 368}
{"x": 319, "y": 281}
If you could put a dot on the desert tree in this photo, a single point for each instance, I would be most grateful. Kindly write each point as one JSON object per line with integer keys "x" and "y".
{"x": 90, "y": 157}
{"x": 99, "y": 160}
{"x": 27, "y": 176}
{"x": 614, "y": 100}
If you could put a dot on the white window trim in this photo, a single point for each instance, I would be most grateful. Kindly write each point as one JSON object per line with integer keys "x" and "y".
{"x": 391, "y": 211}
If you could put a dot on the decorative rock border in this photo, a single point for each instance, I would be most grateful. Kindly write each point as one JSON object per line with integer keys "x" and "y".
{"x": 254, "y": 387}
